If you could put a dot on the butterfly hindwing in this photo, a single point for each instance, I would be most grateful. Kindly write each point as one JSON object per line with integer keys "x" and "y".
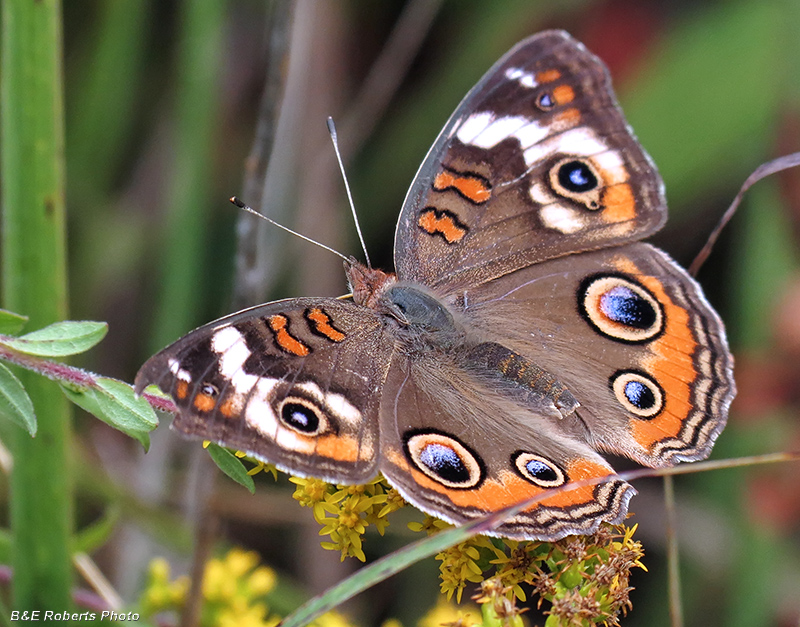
{"x": 459, "y": 447}
{"x": 631, "y": 336}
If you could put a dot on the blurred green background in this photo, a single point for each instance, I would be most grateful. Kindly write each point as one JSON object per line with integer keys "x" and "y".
{"x": 162, "y": 101}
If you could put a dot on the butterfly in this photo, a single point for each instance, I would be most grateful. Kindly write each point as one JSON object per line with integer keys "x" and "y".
{"x": 525, "y": 331}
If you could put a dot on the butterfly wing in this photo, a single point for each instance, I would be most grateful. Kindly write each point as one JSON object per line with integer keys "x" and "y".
{"x": 458, "y": 448}
{"x": 536, "y": 162}
{"x": 631, "y": 336}
{"x": 293, "y": 382}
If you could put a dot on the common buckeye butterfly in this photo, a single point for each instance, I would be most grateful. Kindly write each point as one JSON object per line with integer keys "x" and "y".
{"x": 525, "y": 331}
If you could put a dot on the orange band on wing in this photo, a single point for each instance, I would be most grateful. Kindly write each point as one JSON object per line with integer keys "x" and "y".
{"x": 548, "y": 76}
{"x": 471, "y": 187}
{"x": 279, "y": 326}
{"x": 618, "y": 204}
{"x": 322, "y": 325}
{"x": 230, "y": 407}
{"x": 670, "y": 362}
{"x": 493, "y": 495}
{"x": 181, "y": 390}
{"x": 338, "y": 447}
{"x": 442, "y": 223}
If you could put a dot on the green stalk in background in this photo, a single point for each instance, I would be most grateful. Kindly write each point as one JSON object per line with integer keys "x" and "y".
{"x": 188, "y": 202}
{"x": 34, "y": 284}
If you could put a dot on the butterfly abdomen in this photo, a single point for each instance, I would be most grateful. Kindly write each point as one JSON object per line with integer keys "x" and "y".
{"x": 535, "y": 383}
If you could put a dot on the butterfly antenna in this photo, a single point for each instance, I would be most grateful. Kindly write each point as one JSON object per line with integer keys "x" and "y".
{"x": 335, "y": 140}
{"x": 248, "y": 209}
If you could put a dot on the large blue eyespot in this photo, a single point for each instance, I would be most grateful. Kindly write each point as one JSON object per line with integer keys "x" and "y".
{"x": 576, "y": 177}
{"x": 620, "y": 308}
{"x": 444, "y": 459}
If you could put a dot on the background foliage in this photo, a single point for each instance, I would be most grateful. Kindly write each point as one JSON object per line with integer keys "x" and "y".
{"x": 162, "y": 100}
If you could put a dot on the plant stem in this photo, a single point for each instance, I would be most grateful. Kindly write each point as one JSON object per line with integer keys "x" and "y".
{"x": 34, "y": 282}
{"x": 188, "y": 206}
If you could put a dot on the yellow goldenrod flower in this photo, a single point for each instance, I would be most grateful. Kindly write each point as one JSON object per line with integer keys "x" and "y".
{"x": 331, "y": 619}
{"x": 445, "y": 613}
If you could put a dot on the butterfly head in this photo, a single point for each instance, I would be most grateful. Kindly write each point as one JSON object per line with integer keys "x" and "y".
{"x": 366, "y": 284}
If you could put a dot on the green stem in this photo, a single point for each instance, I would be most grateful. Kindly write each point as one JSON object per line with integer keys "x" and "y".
{"x": 34, "y": 282}
{"x": 199, "y": 68}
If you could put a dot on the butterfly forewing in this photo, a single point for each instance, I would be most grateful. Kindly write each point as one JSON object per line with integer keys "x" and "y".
{"x": 293, "y": 383}
{"x": 536, "y": 162}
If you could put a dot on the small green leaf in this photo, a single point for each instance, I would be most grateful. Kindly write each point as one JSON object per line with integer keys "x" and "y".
{"x": 97, "y": 534}
{"x": 571, "y": 577}
{"x": 156, "y": 391}
{"x": 15, "y": 404}
{"x": 124, "y": 395}
{"x": 231, "y": 466}
{"x": 59, "y": 339}
{"x": 110, "y": 409}
{"x": 11, "y": 323}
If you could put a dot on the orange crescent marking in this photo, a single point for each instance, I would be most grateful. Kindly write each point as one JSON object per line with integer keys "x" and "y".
{"x": 322, "y": 323}
{"x": 671, "y": 362}
{"x": 181, "y": 390}
{"x": 445, "y": 226}
{"x": 471, "y": 187}
{"x": 548, "y": 76}
{"x": 204, "y": 402}
{"x": 288, "y": 343}
{"x": 563, "y": 94}
{"x": 618, "y": 203}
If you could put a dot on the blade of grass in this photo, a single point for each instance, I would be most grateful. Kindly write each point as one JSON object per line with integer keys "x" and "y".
{"x": 200, "y": 54}
{"x": 34, "y": 284}
{"x": 673, "y": 555}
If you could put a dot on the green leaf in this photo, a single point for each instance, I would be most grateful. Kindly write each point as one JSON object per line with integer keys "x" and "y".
{"x": 115, "y": 404}
{"x": 60, "y": 339}
{"x": 15, "y": 404}
{"x": 124, "y": 394}
{"x": 97, "y": 534}
{"x": 11, "y": 323}
{"x": 231, "y": 466}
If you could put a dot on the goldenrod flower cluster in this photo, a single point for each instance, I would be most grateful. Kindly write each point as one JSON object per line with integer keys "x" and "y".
{"x": 234, "y": 588}
{"x": 585, "y": 579}
{"x": 161, "y": 594}
{"x": 446, "y": 613}
{"x": 235, "y": 592}
{"x": 345, "y": 511}
{"x": 258, "y": 465}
